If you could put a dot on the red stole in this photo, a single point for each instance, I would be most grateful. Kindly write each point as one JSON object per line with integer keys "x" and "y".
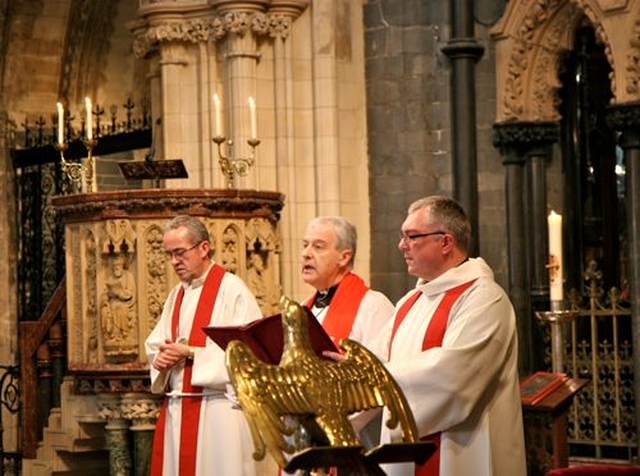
{"x": 190, "y": 408}
{"x": 432, "y": 338}
{"x": 343, "y": 308}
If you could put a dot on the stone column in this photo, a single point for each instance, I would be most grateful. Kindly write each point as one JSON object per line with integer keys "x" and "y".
{"x": 117, "y": 435}
{"x": 526, "y": 147}
{"x": 464, "y": 51}
{"x": 626, "y": 119}
{"x": 142, "y": 410}
{"x": 202, "y": 49}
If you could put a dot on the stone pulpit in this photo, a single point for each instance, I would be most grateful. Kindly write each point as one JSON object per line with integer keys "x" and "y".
{"x": 118, "y": 278}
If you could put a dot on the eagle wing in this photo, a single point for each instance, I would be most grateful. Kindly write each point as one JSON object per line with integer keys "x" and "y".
{"x": 265, "y": 393}
{"x": 368, "y": 384}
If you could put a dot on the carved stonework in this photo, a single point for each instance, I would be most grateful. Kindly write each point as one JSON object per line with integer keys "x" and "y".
{"x": 610, "y": 5}
{"x": 601, "y": 33}
{"x": 208, "y": 27}
{"x": 530, "y": 43}
{"x": 89, "y": 383}
{"x": 118, "y": 276}
{"x": 141, "y": 410}
{"x": 155, "y": 275}
{"x": 229, "y": 252}
{"x": 633, "y": 61}
{"x": 521, "y": 57}
{"x": 623, "y": 117}
{"x": 263, "y": 244}
{"x": 90, "y": 294}
{"x": 118, "y": 309}
{"x": 521, "y": 135}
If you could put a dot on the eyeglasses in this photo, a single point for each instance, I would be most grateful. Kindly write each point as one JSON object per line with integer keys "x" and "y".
{"x": 178, "y": 253}
{"x": 410, "y": 239}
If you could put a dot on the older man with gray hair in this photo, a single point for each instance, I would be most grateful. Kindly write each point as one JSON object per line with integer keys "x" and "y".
{"x": 345, "y": 306}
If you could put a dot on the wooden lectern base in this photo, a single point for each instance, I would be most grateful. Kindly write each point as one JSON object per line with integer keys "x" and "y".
{"x": 546, "y": 428}
{"x": 356, "y": 461}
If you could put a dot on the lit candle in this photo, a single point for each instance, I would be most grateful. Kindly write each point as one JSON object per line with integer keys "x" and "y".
{"x": 555, "y": 256}
{"x": 87, "y": 103}
{"x": 252, "y": 115}
{"x": 60, "y": 123}
{"x": 218, "y": 111}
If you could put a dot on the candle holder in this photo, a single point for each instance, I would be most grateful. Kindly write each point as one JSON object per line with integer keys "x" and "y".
{"x": 88, "y": 165}
{"x": 556, "y": 318}
{"x": 78, "y": 172}
{"x": 73, "y": 170}
{"x": 231, "y": 165}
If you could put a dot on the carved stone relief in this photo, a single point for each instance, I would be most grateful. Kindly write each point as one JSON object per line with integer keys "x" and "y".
{"x": 263, "y": 245}
{"x": 609, "y": 5}
{"x": 530, "y": 41}
{"x": 118, "y": 308}
{"x": 229, "y": 250}
{"x": 118, "y": 296}
{"x": 90, "y": 293}
{"x": 155, "y": 276}
{"x": 203, "y": 30}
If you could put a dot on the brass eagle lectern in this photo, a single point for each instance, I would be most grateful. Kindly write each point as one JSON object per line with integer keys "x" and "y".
{"x": 320, "y": 394}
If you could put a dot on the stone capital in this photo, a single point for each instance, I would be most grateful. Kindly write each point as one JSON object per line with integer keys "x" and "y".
{"x": 160, "y": 23}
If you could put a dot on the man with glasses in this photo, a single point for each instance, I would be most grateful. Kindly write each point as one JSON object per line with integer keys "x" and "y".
{"x": 199, "y": 432}
{"x": 452, "y": 348}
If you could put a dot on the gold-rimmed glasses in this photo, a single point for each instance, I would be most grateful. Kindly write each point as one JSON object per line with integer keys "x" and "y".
{"x": 179, "y": 253}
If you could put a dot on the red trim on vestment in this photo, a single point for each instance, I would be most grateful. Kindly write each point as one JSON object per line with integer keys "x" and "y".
{"x": 433, "y": 337}
{"x": 344, "y": 307}
{"x": 190, "y": 407}
{"x": 402, "y": 313}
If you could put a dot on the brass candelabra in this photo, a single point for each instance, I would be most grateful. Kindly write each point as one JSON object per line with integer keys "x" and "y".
{"x": 80, "y": 173}
{"x": 231, "y": 165}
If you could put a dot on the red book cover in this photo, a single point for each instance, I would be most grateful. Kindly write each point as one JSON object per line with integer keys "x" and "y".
{"x": 264, "y": 337}
{"x": 539, "y": 385}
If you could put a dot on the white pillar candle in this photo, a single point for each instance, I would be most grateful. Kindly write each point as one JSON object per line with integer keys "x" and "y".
{"x": 60, "y": 123}
{"x": 252, "y": 115}
{"x": 218, "y": 115}
{"x": 87, "y": 103}
{"x": 555, "y": 256}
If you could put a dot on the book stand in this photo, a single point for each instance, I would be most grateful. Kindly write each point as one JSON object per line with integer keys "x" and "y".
{"x": 546, "y": 427}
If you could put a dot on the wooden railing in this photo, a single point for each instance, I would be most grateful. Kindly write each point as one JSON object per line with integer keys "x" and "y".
{"x": 41, "y": 369}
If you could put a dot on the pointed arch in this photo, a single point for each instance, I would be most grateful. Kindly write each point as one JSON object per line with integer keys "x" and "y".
{"x": 530, "y": 40}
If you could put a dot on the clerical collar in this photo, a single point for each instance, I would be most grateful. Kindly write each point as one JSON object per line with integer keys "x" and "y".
{"x": 323, "y": 298}
{"x": 197, "y": 282}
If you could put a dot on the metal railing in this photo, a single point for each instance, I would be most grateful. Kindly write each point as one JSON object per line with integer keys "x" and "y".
{"x": 10, "y": 460}
{"x": 598, "y": 346}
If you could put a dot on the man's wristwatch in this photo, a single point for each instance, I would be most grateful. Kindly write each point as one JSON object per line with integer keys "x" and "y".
{"x": 192, "y": 353}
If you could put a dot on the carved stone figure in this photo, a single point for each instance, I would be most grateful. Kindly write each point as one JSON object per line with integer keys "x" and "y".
{"x": 117, "y": 308}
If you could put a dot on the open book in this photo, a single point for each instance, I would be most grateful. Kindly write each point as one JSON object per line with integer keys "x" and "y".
{"x": 265, "y": 338}
{"x": 539, "y": 385}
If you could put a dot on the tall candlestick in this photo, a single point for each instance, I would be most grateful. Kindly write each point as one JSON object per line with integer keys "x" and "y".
{"x": 555, "y": 256}
{"x": 252, "y": 115}
{"x": 60, "y": 123}
{"x": 218, "y": 111}
{"x": 87, "y": 103}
